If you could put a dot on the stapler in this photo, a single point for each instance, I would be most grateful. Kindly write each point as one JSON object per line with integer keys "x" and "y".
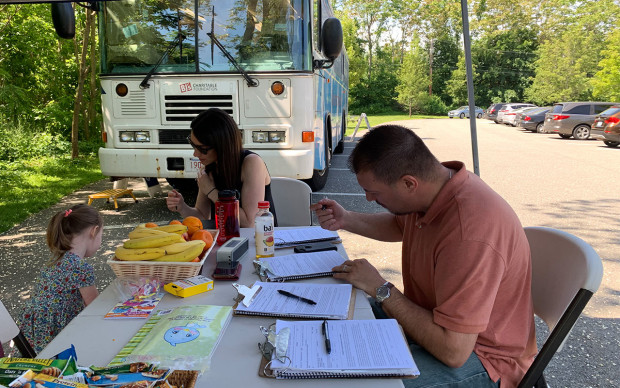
{"x": 227, "y": 258}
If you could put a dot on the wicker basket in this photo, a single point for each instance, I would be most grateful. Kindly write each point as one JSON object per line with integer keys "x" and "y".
{"x": 165, "y": 271}
{"x": 183, "y": 378}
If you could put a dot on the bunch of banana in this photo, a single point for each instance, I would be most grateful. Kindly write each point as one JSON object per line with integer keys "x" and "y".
{"x": 153, "y": 241}
{"x": 183, "y": 251}
{"x": 138, "y": 254}
{"x": 174, "y": 228}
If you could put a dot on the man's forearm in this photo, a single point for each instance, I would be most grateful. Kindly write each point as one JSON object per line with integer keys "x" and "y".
{"x": 449, "y": 347}
{"x": 378, "y": 226}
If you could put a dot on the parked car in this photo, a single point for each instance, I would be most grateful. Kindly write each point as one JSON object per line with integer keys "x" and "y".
{"x": 606, "y": 126}
{"x": 574, "y": 118}
{"x": 509, "y": 108}
{"x": 532, "y": 120}
{"x": 510, "y": 118}
{"x": 463, "y": 112}
{"x": 492, "y": 110}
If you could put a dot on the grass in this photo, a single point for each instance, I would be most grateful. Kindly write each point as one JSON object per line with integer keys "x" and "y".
{"x": 375, "y": 120}
{"x": 29, "y": 186}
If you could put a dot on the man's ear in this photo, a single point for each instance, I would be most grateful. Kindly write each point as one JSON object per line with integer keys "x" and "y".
{"x": 410, "y": 182}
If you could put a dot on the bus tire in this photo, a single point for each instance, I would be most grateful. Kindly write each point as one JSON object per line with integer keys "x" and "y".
{"x": 187, "y": 187}
{"x": 340, "y": 146}
{"x": 319, "y": 177}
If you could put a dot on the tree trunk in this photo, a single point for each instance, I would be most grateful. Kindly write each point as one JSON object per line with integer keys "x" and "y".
{"x": 80, "y": 87}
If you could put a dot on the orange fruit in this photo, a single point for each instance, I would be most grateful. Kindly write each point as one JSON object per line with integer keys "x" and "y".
{"x": 205, "y": 236}
{"x": 193, "y": 224}
{"x": 175, "y": 222}
{"x": 151, "y": 225}
{"x": 196, "y": 260}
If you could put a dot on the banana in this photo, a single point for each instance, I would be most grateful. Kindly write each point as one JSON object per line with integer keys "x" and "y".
{"x": 174, "y": 228}
{"x": 137, "y": 254}
{"x": 145, "y": 232}
{"x": 187, "y": 255}
{"x": 180, "y": 247}
{"x": 153, "y": 241}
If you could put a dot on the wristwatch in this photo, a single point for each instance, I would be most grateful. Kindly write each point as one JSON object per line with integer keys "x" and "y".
{"x": 383, "y": 292}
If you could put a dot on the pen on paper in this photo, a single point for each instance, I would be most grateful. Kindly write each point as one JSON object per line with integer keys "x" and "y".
{"x": 301, "y": 298}
{"x": 328, "y": 343}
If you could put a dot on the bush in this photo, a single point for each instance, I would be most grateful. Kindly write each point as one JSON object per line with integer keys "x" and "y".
{"x": 17, "y": 142}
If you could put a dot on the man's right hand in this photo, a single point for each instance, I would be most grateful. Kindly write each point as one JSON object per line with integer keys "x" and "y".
{"x": 175, "y": 201}
{"x": 330, "y": 214}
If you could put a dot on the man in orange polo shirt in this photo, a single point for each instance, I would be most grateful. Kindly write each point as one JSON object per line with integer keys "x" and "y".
{"x": 466, "y": 306}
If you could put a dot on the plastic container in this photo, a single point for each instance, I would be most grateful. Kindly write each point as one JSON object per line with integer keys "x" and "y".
{"x": 227, "y": 216}
{"x": 263, "y": 231}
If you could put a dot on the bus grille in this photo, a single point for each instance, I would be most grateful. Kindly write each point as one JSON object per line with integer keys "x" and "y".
{"x": 134, "y": 104}
{"x": 185, "y": 108}
{"x": 173, "y": 136}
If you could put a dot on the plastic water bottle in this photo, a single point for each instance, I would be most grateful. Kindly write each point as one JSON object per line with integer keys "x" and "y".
{"x": 227, "y": 216}
{"x": 263, "y": 228}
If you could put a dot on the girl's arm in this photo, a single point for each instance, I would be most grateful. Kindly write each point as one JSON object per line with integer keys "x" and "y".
{"x": 89, "y": 294}
{"x": 255, "y": 177}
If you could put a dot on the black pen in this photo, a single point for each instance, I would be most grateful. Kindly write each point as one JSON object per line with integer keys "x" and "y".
{"x": 328, "y": 343}
{"x": 290, "y": 295}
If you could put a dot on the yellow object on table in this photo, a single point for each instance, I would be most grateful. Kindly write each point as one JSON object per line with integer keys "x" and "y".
{"x": 188, "y": 287}
{"x": 112, "y": 193}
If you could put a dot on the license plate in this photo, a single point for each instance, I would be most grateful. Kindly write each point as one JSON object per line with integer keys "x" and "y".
{"x": 599, "y": 124}
{"x": 193, "y": 165}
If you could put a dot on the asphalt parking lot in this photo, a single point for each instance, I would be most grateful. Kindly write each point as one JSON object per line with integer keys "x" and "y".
{"x": 566, "y": 184}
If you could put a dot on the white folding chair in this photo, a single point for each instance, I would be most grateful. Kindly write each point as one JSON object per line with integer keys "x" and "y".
{"x": 566, "y": 272}
{"x": 291, "y": 199}
{"x": 10, "y": 331}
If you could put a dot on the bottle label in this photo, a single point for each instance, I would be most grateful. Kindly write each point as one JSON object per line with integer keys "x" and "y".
{"x": 264, "y": 237}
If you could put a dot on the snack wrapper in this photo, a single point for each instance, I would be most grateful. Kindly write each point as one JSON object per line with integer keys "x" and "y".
{"x": 31, "y": 379}
{"x": 12, "y": 368}
{"x": 137, "y": 287}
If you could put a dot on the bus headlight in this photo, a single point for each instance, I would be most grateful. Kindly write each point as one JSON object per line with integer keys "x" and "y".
{"x": 135, "y": 136}
{"x": 268, "y": 136}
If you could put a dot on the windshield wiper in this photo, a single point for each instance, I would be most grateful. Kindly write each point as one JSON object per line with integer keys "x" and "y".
{"x": 251, "y": 82}
{"x": 178, "y": 40}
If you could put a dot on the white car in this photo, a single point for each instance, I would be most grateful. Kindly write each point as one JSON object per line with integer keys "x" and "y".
{"x": 509, "y": 108}
{"x": 463, "y": 112}
{"x": 510, "y": 118}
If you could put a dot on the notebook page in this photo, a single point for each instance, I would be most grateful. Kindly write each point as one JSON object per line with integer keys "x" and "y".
{"x": 355, "y": 345}
{"x": 331, "y": 299}
{"x": 301, "y": 235}
{"x": 303, "y": 263}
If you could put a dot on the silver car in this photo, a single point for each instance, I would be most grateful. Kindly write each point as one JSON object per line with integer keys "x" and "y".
{"x": 510, "y": 107}
{"x": 574, "y": 118}
{"x": 463, "y": 112}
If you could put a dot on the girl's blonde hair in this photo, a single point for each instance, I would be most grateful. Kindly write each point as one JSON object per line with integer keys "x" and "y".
{"x": 66, "y": 224}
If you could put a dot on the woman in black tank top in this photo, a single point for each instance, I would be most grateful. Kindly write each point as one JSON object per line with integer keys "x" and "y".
{"x": 216, "y": 140}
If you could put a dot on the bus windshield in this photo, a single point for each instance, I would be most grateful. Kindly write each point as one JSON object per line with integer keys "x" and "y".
{"x": 261, "y": 35}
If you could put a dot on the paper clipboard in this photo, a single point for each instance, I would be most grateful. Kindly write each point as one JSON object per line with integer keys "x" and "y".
{"x": 265, "y": 371}
{"x": 238, "y": 299}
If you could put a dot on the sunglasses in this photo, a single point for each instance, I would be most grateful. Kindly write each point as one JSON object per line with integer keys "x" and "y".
{"x": 202, "y": 149}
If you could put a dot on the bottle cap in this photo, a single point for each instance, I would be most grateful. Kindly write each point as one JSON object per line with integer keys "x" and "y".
{"x": 263, "y": 204}
{"x": 226, "y": 194}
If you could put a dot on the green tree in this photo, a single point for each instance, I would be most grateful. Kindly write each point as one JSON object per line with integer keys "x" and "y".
{"x": 413, "y": 77}
{"x": 606, "y": 81}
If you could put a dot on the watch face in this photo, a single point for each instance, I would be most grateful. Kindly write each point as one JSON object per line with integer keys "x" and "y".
{"x": 383, "y": 292}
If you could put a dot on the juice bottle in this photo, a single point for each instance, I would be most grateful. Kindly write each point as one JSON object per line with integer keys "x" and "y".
{"x": 263, "y": 228}
{"x": 227, "y": 216}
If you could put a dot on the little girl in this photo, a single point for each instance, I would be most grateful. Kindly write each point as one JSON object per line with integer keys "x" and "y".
{"x": 66, "y": 283}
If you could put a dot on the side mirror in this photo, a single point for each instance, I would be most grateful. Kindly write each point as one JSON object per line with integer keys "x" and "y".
{"x": 331, "y": 35}
{"x": 64, "y": 20}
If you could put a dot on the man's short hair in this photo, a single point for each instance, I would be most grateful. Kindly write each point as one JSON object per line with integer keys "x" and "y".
{"x": 392, "y": 151}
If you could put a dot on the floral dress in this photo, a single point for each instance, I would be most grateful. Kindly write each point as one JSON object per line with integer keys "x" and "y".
{"x": 56, "y": 299}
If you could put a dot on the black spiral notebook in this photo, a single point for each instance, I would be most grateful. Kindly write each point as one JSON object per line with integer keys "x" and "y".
{"x": 290, "y": 237}
{"x": 298, "y": 266}
{"x": 359, "y": 349}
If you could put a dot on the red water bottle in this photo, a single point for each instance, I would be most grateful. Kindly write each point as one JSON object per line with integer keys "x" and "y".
{"x": 227, "y": 216}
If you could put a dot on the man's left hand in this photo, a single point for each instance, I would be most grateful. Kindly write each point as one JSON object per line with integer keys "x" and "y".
{"x": 361, "y": 274}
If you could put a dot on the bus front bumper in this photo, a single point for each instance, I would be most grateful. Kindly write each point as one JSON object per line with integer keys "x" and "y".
{"x": 171, "y": 163}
